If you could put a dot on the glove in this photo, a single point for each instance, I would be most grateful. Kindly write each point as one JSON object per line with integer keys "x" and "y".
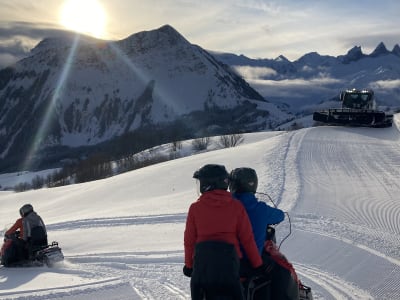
{"x": 187, "y": 271}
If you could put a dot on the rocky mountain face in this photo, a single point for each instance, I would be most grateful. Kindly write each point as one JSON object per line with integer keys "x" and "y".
{"x": 76, "y": 92}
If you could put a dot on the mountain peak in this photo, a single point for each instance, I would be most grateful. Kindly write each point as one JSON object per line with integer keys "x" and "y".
{"x": 61, "y": 40}
{"x": 353, "y": 54}
{"x": 168, "y": 29}
{"x": 380, "y": 50}
{"x": 396, "y": 50}
{"x": 164, "y": 37}
{"x": 281, "y": 58}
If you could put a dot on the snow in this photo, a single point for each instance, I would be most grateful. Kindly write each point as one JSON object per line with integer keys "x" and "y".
{"x": 10, "y": 180}
{"x": 123, "y": 236}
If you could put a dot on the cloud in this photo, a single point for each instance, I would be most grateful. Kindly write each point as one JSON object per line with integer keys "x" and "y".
{"x": 18, "y": 38}
{"x": 15, "y": 47}
{"x": 7, "y": 60}
{"x": 255, "y": 28}
{"x": 9, "y": 30}
{"x": 296, "y": 83}
{"x": 300, "y": 93}
{"x": 386, "y": 84}
{"x": 252, "y": 73}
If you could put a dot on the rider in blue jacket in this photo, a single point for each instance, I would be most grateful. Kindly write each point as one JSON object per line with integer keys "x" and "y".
{"x": 243, "y": 184}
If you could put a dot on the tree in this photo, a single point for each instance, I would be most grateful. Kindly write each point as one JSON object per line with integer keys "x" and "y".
{"x": 37, "y": 182}
{"x": 201, "y": 143}
{"x": 22, "y": 187}
{"x": 97, "y": 166}
{"x": 231, "y": 140}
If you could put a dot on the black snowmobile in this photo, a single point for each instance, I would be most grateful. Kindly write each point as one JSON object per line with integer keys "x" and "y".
{"x": 15, "y": 253}
{"x": 281, "y": 282}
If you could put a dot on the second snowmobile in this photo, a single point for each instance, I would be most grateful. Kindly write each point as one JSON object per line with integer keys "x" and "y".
{"x": 33, "y": 255}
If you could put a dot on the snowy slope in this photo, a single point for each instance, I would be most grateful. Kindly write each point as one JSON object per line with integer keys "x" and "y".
{"x": 123, "y": 236}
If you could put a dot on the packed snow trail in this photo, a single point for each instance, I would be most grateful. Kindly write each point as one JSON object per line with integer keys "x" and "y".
{"x": 347, "y": 213}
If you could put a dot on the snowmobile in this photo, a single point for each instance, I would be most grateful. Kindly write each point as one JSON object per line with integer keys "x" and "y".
{"x": 282, "y": 282}
{"x": 33, "y": 255}
{"x": 358, "y": 109}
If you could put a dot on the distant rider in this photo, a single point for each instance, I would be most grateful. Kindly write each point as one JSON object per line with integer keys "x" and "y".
{"x": 27, "y": 226}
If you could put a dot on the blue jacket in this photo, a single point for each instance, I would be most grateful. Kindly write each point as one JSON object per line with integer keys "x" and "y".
{"x": 260, "y": 215}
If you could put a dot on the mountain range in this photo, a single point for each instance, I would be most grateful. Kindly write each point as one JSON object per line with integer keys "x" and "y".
{"x": 314, "y": 81}
{"x": 75, "y": 95}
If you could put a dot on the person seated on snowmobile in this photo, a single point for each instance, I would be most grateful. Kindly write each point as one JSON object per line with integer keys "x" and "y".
{"x": 31, "y": 233}
{"x": 217, "y": 226}
{"x": 243, "y": 183}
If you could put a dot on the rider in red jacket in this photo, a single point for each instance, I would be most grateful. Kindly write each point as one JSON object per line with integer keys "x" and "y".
{"x": 216, "y": 216}
{"x": 27, "y": 232}
{"x": 216, "y": 226}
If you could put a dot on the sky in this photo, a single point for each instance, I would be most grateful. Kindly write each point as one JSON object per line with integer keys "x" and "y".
{"x": 122, "y": 237}
{"x": 255, "y": 28}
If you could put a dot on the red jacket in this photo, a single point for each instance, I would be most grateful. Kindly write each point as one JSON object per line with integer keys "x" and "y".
{"x": 17, "y": 225}
{"x": 217, "y": 216}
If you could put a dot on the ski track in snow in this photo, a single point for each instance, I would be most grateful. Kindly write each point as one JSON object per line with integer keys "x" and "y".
{"x": 155, "y": 275}
{"x": 371, "y": 220}
{"x": 111, "y": 289}
{"x": 348, "y": 217}
{"x": 332, "y": 285}
{"x": 118, "y": 221}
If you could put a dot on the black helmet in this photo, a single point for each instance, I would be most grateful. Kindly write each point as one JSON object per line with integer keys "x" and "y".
{"x": 25, "y": 210}
{"x": 212, "y": 177}
{"x": 242, "y": 180}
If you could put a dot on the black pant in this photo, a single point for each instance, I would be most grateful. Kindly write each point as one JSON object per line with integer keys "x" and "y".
{"x": 233, "y": 292}
{"x": 15, "y": 253}
{"x": 216, "y": 272}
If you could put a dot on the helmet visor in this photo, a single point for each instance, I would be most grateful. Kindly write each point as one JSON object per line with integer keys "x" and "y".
{"x": 198, "y": 187}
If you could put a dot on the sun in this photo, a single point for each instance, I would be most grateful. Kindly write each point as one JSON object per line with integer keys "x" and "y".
{"x": 84, "y": 16}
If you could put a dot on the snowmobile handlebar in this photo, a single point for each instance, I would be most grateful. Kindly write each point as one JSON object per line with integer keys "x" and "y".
{"x": 13, "y": 235}
{"x": 288, "y": 217}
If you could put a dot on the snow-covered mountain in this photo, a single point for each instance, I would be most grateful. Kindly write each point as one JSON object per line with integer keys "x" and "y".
{"x": 75, "y": 91}
{"x": 314, "y": 81}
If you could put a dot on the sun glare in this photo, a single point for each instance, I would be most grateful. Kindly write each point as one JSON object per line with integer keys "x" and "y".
{"x": 84, "y": 16}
